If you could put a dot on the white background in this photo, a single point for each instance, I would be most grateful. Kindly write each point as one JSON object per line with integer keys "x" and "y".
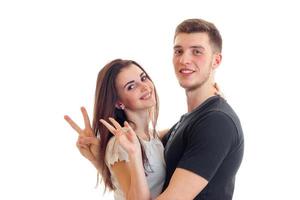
{"x": 51, "y": 52}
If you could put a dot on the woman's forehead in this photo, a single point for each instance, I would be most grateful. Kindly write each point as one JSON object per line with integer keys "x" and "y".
{"x": 129, "y": 73}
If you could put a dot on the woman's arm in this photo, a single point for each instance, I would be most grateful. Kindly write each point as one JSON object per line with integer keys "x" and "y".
{"x": 130, "y": 175}
{"x": 132, "y": 179}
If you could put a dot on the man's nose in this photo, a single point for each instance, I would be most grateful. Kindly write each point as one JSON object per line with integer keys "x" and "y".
{"x": 185, "y": 58}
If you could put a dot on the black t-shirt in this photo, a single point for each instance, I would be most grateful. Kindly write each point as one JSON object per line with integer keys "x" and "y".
{"x": 209, "y": 142}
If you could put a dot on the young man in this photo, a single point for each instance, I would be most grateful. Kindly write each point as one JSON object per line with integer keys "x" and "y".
{"x": 204, "y": 150}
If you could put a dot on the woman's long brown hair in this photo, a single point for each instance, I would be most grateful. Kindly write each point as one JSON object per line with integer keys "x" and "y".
{"x": 106, "y": 97}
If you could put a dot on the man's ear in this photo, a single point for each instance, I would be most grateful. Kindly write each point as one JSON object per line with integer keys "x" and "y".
{"x": 216, "y": 60}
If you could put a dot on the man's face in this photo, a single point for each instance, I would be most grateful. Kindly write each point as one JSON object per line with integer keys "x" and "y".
{"x": 194, "y": 60}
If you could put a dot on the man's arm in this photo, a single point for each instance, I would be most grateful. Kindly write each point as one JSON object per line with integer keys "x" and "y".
{"x": 162, "y": 133}
{"x": 184, "y": 185}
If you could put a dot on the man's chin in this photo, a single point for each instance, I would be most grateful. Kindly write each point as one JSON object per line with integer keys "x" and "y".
{"x": 185, "y": 85}
{"x": 189, "y": 87}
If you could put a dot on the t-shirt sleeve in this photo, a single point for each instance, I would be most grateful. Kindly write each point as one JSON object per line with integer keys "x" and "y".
{"x": 115, "y": 152}
{"x": 208, "y": 144}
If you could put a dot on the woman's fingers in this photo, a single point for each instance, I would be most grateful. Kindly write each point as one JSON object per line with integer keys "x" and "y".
{"x": 82, "y": 146}
{"x": 73, "y": 124}
{"x": 117, "y": 129}
{"x": 83, "y": 140}
{"x": 86, "y": 119}
{"x": 108, "y": 126}
{"x": 115, "y": 123}
{"x": 126, "y": 124}
{"x": 131, "y": 131}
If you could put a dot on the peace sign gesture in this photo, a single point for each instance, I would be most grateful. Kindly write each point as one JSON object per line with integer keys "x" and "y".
{"x": 126, "y": 136}
{"x": 87, "y": 143}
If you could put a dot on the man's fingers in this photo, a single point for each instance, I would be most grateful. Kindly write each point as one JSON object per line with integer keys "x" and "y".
{"x": 115, "y": 123}
{"x": 73, "y": 124}
{"x": 108, "y": 126}
{"x": 86, "y": 119}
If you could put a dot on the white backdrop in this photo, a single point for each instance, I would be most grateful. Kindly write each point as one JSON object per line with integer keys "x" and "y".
{"x": 51, "y": 52}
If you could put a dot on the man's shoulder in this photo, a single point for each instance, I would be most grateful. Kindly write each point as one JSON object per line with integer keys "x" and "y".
{"x": 220, "y": 108}
{"x": 217, "y": 117}
{"x": 215, "y": 107}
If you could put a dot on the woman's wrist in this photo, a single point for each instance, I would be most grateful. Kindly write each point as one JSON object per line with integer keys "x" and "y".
{"x": 135, "y": 157}
{"x": 96, "y": 164}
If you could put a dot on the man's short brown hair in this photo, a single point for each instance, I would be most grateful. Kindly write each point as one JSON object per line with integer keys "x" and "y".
{"x": 201, "y": 26}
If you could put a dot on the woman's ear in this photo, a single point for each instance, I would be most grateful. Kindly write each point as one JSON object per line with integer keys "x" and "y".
{"x": 120, "y": 105}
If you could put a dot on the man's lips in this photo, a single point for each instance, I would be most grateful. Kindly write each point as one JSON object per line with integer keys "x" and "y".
{"x": 186, "y": 71}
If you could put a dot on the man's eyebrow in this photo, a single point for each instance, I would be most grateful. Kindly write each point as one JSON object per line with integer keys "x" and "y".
{"x": 197, "y": 47}
{"x": 191, "y": 47}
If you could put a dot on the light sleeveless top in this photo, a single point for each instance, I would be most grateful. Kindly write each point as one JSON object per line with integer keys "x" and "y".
{"x": 155, "y": 172}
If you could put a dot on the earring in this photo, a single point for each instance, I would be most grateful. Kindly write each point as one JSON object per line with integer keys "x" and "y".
{"x": 122, "y": 106}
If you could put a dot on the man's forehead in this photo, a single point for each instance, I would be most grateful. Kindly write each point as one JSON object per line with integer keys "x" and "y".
{"x": 191, "y": 40}
{"x": 191, "y": 37}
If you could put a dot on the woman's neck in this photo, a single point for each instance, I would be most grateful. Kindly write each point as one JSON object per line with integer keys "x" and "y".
{"x": 139, "y": 121}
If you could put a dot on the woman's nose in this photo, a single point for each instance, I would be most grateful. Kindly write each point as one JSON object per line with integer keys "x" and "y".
{"x": 144, "y": 87}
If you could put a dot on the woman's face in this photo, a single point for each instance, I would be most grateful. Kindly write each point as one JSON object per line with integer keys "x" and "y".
{"x": 135, "y": 90}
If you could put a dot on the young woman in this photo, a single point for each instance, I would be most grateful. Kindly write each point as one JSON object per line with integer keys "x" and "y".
{"x": 125, "y": 96}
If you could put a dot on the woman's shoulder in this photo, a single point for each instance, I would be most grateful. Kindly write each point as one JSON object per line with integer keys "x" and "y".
{"x": 115, "y": 152}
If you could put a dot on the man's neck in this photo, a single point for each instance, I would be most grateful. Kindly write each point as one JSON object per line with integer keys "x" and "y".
{"x": 197, "y": 96}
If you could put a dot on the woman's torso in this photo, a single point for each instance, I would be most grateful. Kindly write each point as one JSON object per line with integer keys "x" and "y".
{"x": 155, "y": 170}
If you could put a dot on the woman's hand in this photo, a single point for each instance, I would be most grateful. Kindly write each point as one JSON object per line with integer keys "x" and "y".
{"x": 87, "y": 143}
{"x": 135, "y": 185}
{"x": 217, "y": 90}
{"x": 126, "y": 136}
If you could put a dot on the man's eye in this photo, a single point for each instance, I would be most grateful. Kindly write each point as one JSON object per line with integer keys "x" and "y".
{"x": 177, "y": 51}
{"x": 197, "y": 52}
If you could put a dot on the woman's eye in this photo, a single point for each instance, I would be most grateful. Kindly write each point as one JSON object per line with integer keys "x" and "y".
{"x": 144, "y": 78}
{"x": 130, "y": 87}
